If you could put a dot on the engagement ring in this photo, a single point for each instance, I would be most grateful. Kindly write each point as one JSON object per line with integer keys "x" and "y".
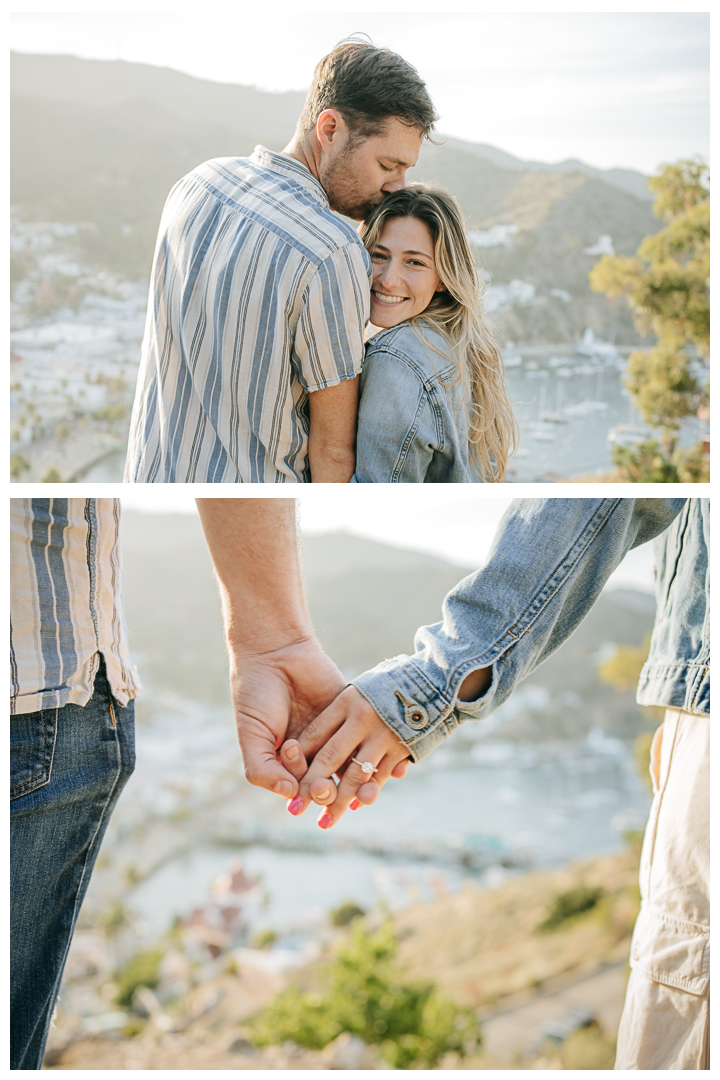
{"x": 366, "y": 766}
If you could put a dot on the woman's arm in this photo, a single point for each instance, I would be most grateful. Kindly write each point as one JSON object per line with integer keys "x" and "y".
{"x": 397, "y": 422}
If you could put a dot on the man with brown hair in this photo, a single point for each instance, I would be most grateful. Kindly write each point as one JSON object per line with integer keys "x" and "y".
{"x": 260, "y": 290}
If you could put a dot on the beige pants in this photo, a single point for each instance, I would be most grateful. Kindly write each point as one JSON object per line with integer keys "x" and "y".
{"x": 665, "y": 1021}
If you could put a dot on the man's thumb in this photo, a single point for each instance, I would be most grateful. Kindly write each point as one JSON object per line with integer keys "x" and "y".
{"x": 263, "y": 769}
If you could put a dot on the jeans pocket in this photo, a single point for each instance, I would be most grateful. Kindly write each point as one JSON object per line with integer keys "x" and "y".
{"x": 32, "y": 745}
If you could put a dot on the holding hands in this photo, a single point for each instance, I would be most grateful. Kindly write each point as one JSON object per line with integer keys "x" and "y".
{"x": 290, "y": 700}
{"x": 348, "y": 739}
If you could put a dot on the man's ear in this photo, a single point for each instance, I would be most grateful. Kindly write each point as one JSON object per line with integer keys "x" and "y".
{"x": 329, "y": 128}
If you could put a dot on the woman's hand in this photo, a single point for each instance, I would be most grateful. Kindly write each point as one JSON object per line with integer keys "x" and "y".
{"x": 348, "y": 728}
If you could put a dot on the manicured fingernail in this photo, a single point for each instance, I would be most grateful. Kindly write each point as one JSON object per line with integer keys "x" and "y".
{"x": 284, "y": 788}
{"x": 292, "y": 752}
{"x": 355, "y": 805}
{"x": 325, "y": 820}
{"x": 295, "y": 806}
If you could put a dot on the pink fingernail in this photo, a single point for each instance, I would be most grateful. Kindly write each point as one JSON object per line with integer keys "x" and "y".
{"x": 355, "y": 805}
{"x": 295, "y": 805}
{"x": 325, "y": 820}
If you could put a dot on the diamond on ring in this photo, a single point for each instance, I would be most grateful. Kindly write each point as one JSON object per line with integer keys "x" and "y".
{"x": 367, "y": 766}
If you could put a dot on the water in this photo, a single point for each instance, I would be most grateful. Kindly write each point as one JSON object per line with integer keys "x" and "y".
{"x": 565, "y": 406}
{"x": 480, "y": 810}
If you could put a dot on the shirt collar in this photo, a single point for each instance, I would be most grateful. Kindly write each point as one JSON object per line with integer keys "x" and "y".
{"x": 288, "y": 166}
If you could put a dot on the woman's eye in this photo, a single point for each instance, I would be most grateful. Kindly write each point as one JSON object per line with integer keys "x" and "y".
{"x": 385, "y": 168}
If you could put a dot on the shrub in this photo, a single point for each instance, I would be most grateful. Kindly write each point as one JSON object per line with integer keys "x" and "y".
{"x": 568, "y": 904}
{"x": 413, "y": 1025}
{"x": 341, "y": 916}
{"x": 142, "y": 970}
{"x": 645, "y": 463}
{"x": 111, "y": 413}
{"x": 18, "y": 465}
{"x": 588, "y": 1048}
{"x": 264, "y": 940}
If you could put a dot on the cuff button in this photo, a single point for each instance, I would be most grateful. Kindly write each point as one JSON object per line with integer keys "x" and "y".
{"x": 416, "y": 717}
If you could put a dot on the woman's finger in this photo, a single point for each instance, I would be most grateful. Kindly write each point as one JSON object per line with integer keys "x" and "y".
{"x": 357, "y": 785}
{"x": 400, "y": 769}
{"x": 324, "y": 726}
{"x": 332, "y": 756}
{"x": 368, "y": 793}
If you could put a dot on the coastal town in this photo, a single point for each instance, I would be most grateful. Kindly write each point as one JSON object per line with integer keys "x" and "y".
{"x": 75, "y": 348}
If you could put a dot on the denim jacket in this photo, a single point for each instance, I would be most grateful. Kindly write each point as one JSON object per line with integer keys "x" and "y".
{"x": 549, "y": 562}
{"x": 412, "y": 424}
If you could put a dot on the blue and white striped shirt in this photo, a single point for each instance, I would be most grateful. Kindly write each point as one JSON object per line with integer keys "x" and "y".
{"x": 66, "y": 603}
{"x": 259, "y": 296}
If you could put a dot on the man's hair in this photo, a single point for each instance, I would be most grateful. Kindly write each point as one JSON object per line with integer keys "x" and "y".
{"x": 368, "y": 86}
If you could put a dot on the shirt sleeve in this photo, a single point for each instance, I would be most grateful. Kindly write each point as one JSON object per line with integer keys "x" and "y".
{"x": 549, "y": 562}
{"x": 397, "y": 428}
{"x": 328, "y": 344}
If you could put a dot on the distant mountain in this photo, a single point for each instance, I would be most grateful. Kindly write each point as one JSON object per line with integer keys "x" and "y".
{"x": 102, "y": 143}
{"x": 625, "y": 179}
{"x": 242, "y": 110}
{"x": 366, "y": 600}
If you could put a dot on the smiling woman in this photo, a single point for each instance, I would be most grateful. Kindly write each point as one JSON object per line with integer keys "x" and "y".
{"x": 434, "y": 406}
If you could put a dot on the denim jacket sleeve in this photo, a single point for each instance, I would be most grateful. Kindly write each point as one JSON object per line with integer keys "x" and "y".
{"x": 400, "y": 424}
{"x": 549, "y": 562}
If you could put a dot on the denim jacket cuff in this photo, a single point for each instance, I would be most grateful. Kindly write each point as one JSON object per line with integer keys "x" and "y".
{"x": 420, "y": 714}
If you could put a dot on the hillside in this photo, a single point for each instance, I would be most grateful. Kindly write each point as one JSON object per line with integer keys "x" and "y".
{"x": 479, "y": 947}
{"x": 103, "y": 142}
{"x": 366, "y": 600}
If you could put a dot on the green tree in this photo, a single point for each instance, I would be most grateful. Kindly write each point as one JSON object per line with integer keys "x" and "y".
{"x": 622, "y": 669}
{"x": 413, "y": 1025}
{"x": 667, "y": 285}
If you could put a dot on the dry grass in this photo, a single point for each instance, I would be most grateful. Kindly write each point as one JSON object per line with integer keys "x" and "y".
{"x": 482, "y": 947}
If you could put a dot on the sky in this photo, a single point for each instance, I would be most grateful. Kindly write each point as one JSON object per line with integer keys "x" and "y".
{"x": 613, "y": 89}
{"x": 457, "y": 525}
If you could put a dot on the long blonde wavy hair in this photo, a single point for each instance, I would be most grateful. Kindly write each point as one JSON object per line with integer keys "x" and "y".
{"x": 458, "y": 314}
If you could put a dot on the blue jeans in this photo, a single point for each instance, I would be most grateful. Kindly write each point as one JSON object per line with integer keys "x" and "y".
{"x": 68, "y": 767}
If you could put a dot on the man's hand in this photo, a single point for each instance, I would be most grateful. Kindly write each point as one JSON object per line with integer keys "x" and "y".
{"x": 275, "y": 696}
{"x": 349, "y": 728}
{"x": 279, "y": 676}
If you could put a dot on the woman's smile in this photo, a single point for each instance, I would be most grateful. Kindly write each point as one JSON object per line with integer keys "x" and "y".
{"x": 383, "y": 298}
{"x": 404, "y": 275}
